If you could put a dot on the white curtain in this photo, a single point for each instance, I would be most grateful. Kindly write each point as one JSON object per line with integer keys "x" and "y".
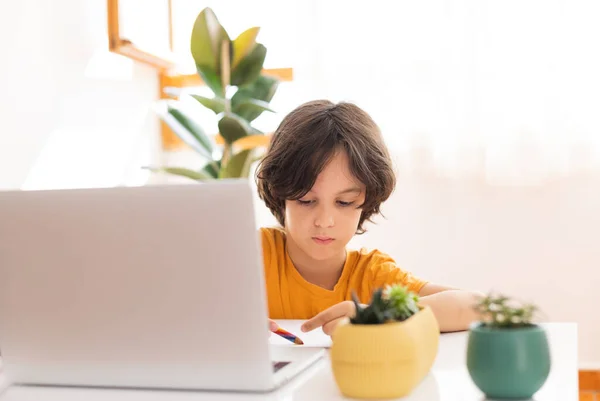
{"x": 507, "y": 92}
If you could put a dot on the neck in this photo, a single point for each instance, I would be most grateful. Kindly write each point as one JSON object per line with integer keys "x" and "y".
{"x": 324, "y": 273}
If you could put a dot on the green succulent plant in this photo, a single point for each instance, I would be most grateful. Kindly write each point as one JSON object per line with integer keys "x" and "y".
{"x": 403, "y": 302}
{"x": 500, "y": 311}
{"x": 393, "y": 304}
{"x": 223, "y": 63}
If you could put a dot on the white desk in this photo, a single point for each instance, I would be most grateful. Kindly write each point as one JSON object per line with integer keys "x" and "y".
{"x": 447, "y": 381}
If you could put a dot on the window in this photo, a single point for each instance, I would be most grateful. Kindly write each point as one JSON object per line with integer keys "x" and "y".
{"x": 161, "y": 39}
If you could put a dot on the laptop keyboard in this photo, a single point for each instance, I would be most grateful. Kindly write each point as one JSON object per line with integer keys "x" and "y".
{"x": 279, "y": 365}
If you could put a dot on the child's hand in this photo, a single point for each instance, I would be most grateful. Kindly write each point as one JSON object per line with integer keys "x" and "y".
{"x": 331, "y": 317}
{"x": 272, "y": 325}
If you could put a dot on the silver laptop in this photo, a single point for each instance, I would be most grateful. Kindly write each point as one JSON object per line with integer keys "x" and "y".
{"x": 144, "y": 287}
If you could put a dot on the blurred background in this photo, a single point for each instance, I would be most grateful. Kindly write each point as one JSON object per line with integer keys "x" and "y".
{"x": 490, "y": 110}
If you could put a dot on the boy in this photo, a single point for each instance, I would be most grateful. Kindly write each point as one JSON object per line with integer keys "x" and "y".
{"x": 326, "y": 172}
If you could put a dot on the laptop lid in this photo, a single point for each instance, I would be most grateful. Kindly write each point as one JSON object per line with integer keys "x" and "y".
{"x": 156, "y": 286}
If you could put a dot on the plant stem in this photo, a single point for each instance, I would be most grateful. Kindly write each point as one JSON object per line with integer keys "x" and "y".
{"x": 226, "y": 73}
{"x": 215, "y": 166}
{"x": 226, "y": 77}
{"x": 226, "y": 154}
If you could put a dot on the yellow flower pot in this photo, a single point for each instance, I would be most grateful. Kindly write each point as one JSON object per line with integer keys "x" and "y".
{"x": 384, "y": 360}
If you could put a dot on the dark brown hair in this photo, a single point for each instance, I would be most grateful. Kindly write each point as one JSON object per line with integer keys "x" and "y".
{"x": 307, "y": 139}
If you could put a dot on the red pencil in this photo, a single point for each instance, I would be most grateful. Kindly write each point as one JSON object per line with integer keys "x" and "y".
{"x": 288, "y": 336}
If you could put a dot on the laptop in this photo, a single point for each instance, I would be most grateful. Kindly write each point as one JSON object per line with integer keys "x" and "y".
{"x": 138, "y": 287}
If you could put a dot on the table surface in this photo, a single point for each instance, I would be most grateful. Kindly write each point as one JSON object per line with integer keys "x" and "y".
{"x": 448, "y": 379}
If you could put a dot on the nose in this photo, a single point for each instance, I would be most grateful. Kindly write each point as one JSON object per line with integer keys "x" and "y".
{"x": 324, "y": 217}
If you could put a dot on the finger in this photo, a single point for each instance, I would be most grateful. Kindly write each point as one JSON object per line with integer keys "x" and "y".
{"x": 322, "y": 318}
{"x": 332, "y": 313}
{"x": 328, "y": 328}
{"x": 272, "y": 325}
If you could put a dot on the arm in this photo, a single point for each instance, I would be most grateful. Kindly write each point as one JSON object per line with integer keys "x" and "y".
{"x": 453, "y": 308}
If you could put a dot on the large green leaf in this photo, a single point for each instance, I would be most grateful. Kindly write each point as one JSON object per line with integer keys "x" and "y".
{"x": 249, "y": 67}
{"x": 212, "y": 169}
{"x": 263, "y": 88}
{"x": 243, "y": 45}
{"x": 216, "y": 104}
{"x": 233, "y": 127}
{"x": 239, "y": 165}
{"x": 249, "y": 109}
{"x": 187, "y": 129}
{"x": 183, "y": 172}
{"x": 212, "y": 80}
{"x": 206, "y": 40}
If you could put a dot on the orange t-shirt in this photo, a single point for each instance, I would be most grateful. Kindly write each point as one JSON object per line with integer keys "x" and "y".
{"x": 290, "y": 296}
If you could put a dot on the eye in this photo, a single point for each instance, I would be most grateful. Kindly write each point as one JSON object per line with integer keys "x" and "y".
{"x": 305, "y": 202}
{"x": 345, "y": 204}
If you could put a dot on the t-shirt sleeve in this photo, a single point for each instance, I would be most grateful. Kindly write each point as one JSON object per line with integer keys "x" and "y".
{"x": 384, "y": 271}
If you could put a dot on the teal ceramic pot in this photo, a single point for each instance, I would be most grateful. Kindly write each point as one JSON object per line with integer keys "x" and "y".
{"x": 508, "y": 363}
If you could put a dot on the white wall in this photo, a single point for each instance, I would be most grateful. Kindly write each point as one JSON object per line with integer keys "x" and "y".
{"x": 62, "y": 93}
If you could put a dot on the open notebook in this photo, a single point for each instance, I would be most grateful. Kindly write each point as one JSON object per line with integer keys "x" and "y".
{"x": 315, "y": 338}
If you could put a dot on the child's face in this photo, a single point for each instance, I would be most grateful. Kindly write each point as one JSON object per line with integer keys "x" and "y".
{"x": 323, "y": 221}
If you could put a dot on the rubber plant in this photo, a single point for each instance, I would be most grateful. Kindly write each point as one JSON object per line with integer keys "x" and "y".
{"x": 223, "y": 64}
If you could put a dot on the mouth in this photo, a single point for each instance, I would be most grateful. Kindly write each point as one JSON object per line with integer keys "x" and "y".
{"x": 323, "y": 240}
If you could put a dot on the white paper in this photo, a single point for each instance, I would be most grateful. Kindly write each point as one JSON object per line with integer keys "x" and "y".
{"x": 315, "y": 338}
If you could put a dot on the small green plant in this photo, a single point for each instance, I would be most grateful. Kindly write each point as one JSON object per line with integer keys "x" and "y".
{"x": 501, "y": 311}
{"x": 392, "y": 304}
